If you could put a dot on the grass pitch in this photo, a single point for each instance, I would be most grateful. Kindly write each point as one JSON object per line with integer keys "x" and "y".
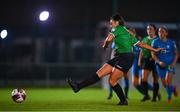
{"x": 92, "y": 99}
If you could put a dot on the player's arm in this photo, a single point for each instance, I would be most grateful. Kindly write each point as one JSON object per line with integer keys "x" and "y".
{"x": 146, "y": 46}
{"x": 140, "y": 59}
{"x": 130, "y": 32}
{"x": 108, "y": 40}
{"x": 175, "y": 58}
{"x": 157, "y": 60}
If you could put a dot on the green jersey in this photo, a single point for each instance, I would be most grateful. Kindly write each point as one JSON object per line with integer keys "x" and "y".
{"x": 146, "y": 52}
{"x": 123, "y": 40}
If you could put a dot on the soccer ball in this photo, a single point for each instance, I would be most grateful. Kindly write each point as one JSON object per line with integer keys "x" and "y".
{"x": 18, "y": 95}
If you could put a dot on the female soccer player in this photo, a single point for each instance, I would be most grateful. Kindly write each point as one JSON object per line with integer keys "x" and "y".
{"x": 125, "y": 79}
{"x": 126, "y": 76}
{"x": 120, "y": 64}
{"x": 166, "y": 60}
{"x": 136, "y": 70}
{"x": 147, "y": 63}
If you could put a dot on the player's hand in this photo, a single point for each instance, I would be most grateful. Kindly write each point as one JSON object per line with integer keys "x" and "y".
{"x": 162, "y": 64}
{"x": 172, "y": 65}
{"x": 159, "y": 49}
{"x": 104, "y": 46}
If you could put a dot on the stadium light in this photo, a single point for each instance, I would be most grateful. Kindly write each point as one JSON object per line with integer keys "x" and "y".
{"x": 4, "y": 33}
{"x": 44, "y": 15}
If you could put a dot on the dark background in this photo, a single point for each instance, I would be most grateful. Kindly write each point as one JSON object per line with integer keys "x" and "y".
{"x": 73, "y": 12}
{"x": 80, "y": 17}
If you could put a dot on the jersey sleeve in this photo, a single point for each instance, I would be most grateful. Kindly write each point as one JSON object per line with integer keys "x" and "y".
{"x": 134, "y": 40}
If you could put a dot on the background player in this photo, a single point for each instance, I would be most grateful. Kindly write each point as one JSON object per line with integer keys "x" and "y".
{"x": 136, "y": 71}
{"x": 147, "y": 63}
{"x": 166, "y": 60}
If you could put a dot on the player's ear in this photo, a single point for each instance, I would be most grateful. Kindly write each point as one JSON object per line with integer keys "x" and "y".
{"x": 166, "y": 34}
{"x": 116, "y": 22}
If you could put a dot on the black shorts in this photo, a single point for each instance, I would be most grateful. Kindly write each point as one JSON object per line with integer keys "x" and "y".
{"x": 122, "y": 61}
{"x": 149, "y": 64}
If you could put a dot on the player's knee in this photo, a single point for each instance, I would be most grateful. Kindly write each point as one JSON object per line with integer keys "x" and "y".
{"x": 99, "y": 74}
{"x": 135, "y": 83}
{"x": 164, "y": 84}
{"x": 112, "y": 82}
{"x": 144, "y": 79}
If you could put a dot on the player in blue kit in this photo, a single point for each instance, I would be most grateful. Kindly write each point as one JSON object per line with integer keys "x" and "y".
{"x": 166, "y": 61}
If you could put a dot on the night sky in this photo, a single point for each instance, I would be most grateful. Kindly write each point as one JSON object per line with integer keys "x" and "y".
{"x": 72, "y": 12}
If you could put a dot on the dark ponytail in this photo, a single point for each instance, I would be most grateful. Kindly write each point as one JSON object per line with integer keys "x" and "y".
{"x": 153, "y": 25}
{"x": 118, "y": 18}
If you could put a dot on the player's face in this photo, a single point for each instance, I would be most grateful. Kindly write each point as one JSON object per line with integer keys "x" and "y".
{"x": 151, "y": 31}
{"x": 162, "y": 33}
{"x": 113, "y": 23}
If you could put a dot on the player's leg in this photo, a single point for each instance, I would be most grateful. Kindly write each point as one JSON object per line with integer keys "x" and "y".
{"x": 171, "y": 72}
{"x": 162, "y": 74}
{"x": 121, "y": 67}
{"x": 126, "y": 84}
{"x": 104, "y": 70}
{"x": 110, "y": 92}
{"x": 155, "y": 86}
{"x": 155, "y": 82}
{"x": 150, "y": 86}
{"x": 145, "y": 74}
{"x": 170, "y": 88}
{"x": 146, "y": 69}
{"x": 136, "y": 84}
{"x": 136, "y": 74}
{"x": 136, "y": 80}
{"x": 110, "y": 88}
{"x": 152, "y": 67}
{"x": 113, "y": 81}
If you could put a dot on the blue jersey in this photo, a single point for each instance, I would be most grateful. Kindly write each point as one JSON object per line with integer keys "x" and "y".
{"x": 136, "y": 70}
{"x": 167, "y": 55}
{"x": 136, "y": 51}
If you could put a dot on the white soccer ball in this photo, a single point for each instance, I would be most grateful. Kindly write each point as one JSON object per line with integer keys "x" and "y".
{"x": 18, "y": 95}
